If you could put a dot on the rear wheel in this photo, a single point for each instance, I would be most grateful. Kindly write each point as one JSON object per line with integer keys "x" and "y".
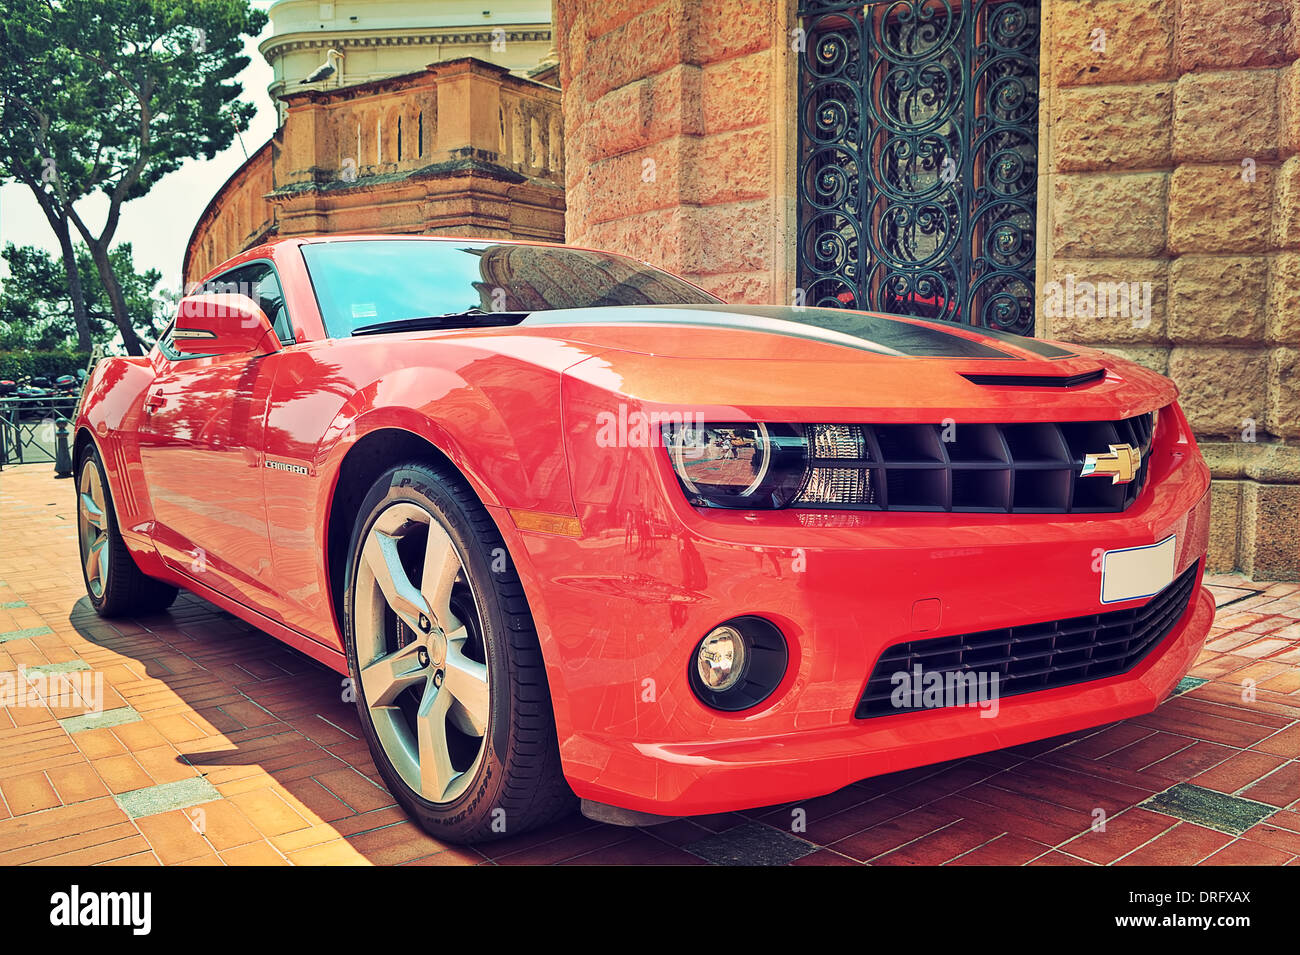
{"x": 446, "y": 665}
{"x": 115, "y": 585}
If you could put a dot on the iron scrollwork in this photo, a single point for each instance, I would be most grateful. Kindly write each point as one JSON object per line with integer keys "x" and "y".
{"x": 918, "y": 132}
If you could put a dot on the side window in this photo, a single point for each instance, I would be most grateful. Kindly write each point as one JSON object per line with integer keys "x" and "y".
{"x": 259, "y": 282}
{"x": 165, "y": 344}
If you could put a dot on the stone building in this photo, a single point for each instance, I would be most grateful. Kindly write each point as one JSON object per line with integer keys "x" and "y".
{"x": 1124, "y": 173}
{"x": 431, "y": 117}
{"x": 366, "y": 40}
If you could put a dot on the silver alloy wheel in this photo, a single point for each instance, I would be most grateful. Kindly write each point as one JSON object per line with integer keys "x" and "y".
{"x": 92, "y": 524}
{"x": 423, "y": 665}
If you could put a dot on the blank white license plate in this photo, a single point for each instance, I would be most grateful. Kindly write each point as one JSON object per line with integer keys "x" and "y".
{"x": 1135, "y": 572}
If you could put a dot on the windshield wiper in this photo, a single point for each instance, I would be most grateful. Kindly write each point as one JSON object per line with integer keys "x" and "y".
{"x": 469, "y": 318}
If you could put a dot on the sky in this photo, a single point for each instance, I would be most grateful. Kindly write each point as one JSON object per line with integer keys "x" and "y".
{"x": 158, "y": 224}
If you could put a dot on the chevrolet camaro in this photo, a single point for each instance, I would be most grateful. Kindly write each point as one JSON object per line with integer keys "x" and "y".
{"x": 575, "y": 532}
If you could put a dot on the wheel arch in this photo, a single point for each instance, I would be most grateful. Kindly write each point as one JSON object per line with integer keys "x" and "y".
{"x": 83, "y": 439}
{"x": 361, "y": 465}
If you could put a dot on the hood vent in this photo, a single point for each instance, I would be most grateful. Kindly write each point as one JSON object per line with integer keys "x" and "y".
{"x": 1039, "y": 381}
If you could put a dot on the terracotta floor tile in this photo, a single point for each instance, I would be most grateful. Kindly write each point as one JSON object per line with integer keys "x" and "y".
{"x": 163, "y": 764}
{"x": 1124, "y": 833}
{"x": 225, "y": 827}
{"x": 1247, "y": 852}
{"x": 355, "y": 790}
{"x": 886, "y": 836}
{"x": 122, "y": 774}
{"x": 77, "y": 783}
{"x": 257, "y": 853}
{"x": 174, "y": 836}
{"x": 1279, "y": 788}
{"x": 942, "y": 846}
{"x": 139, "y": 735}
{"x": 1280, "y": 831}
{"x": 29, "y": 793}
{"x": 268, "y": 812}
{"x": 99, "y": 743}
{"x": 1237, "y": 772}
{"x": 338, "y": 852}
{"x": 1004, "y": 850}
{"x": 1284, "y": 743}
{"x": 1185, "y": 844}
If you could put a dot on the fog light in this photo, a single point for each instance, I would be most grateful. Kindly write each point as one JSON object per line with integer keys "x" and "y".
{"x": 738, "y": 664}
{"x": 721, "y": 659}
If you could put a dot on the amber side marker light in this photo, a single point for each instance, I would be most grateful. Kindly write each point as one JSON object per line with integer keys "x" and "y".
{"x": 556, "y": 524}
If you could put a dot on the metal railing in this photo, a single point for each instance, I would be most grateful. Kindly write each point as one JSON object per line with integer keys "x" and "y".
{"x": 29, "y": 427}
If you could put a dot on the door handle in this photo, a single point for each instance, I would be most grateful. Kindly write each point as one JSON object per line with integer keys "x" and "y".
{"x": 154, "y": 402}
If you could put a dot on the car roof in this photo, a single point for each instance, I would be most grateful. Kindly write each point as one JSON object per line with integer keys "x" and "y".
{"x": 370, "y": 236}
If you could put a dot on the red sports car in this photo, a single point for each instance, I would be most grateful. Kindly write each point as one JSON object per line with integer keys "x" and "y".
{"x": 573, "y": 526}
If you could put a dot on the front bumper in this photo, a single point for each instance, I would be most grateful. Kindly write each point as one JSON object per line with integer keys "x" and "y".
{"x": 621, "y": 610}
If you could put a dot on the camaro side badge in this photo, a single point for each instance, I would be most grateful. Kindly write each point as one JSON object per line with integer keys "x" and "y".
{"x": 281, "y": 466}
{"x": 1120, "y": 465}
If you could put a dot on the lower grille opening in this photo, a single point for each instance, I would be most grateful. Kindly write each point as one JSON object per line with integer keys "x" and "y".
{"x": 1031, "y": 657}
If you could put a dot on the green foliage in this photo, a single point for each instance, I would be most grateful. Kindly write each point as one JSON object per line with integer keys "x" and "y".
{"x": 109, "y": 96}
{"x": 36, "y": 305}
{"x": 129, "y": 88}
{"x": 19, "y": 365}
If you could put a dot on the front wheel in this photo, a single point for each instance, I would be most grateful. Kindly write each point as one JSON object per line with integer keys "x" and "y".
{"x": 445, "y": 662}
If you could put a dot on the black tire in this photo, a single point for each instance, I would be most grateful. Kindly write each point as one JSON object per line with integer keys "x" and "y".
{"x": 126, "y": 590}
{"x": 518, "y": 784}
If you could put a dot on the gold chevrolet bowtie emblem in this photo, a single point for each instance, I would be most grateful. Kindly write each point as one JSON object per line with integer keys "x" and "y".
{"x": 1120, "y": 465}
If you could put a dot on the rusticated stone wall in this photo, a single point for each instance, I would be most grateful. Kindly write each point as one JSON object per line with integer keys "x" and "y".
{"x": 676, "y": 136}
{"x": 1168, "y": 155}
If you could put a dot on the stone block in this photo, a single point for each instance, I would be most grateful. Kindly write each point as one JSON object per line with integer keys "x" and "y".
{"x": 1214, "y": 209}
{"x": 1215, "y": 299}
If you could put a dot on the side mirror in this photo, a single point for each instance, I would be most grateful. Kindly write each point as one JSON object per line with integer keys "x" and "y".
{"x": 224, "y": 324}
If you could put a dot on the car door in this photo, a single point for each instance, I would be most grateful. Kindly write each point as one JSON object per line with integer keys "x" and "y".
{"x": 202, "y": 451}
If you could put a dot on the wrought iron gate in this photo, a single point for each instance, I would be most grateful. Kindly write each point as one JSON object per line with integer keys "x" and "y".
{"x": 918, "y": 158}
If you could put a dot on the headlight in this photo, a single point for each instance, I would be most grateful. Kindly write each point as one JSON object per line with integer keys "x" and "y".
{"x": 747, "y": 465}
{"x": 757, "y": 465}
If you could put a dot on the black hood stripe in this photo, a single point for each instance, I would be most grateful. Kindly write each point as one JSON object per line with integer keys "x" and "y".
{"x": 875, "y": 333}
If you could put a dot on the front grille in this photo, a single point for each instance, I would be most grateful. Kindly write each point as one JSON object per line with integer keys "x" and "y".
{"x": 1016, "y": 468}
{"x": 1033, "y": 657}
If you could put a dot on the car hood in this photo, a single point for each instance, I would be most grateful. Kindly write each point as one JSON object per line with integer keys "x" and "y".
{"x": 810, "y": 363}
{"x": 758, "y": 332}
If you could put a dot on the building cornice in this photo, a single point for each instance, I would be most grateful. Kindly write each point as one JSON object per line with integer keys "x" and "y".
{"x": 361, "y": 39}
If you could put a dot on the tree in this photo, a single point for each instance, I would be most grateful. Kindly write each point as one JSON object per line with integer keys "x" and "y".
{"x": 36, "y": 300}
{"x": 109, "y": 96}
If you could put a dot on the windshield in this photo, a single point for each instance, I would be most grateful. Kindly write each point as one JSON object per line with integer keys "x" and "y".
{"x": 388, "y": 280}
